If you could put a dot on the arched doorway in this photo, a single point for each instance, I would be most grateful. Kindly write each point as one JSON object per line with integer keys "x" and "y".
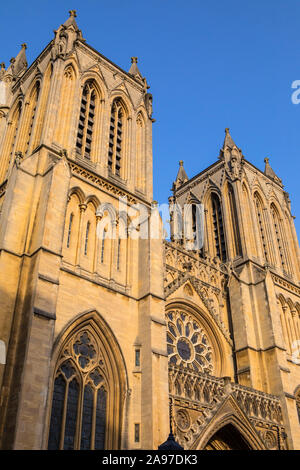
{"x": 227, "y": 438}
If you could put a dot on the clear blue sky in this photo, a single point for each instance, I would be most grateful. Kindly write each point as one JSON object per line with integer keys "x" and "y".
{"x": 210, "y": 65}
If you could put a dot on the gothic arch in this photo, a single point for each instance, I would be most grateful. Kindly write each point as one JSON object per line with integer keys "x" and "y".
{"x": 248, "y": 215}
{"x": 93, "y": 200}
{"x": 215, "y": 224}
{"x": 9, "y": 143}
{"x": 260, "y": 207}
{"x": 230, "y": 415}
{"x": 123, "y": 97}
{"x": 66, "y": 108}
{"x": 280, "y": 236}
{"x": 103, "y": 356}
{"x": 215, "y": 340}
{"x": 78, "y": 191}
{"x": 297, "y": 398}
{"x": 45, "y": 89}
{"x": 234, "y": 226}
{"x": 89, "y": 119}
{"x": 31, "y": 102}
{"x": 119, "y": 136}
{"x": 93, "y": 75}
{"x": 140, "y": 151}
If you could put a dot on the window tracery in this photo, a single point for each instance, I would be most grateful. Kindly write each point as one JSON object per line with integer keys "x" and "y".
{"x": 218, "y": 227}
{"x": 86, "y": 120}
{"x": 80, "y": 394}
{"x": 188, "y": 343}
{"x": 116, "y": 134}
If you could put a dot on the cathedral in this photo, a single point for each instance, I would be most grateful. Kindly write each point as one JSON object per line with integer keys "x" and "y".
{"x": 109, "y": 338}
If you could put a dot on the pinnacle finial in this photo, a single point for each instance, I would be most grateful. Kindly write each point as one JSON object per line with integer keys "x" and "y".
{"x": 2, "y": 65}
{"x": 134, "y": 60}
{"x": 24, "y": 45}
{"x": 266, "y": 160}
{"x": 73, "y": 13}
{"x": 180, "y": 162}
{"x": 227, "y": 130}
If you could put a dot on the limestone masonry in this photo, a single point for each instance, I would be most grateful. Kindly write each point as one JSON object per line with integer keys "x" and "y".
{"x": 102, "y": 333}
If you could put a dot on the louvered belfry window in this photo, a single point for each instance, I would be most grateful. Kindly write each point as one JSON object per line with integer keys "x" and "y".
{"x": 218, "y": 227}
{"x": 86, "y": 121}
{"x": 261, "y": 225}
{"x": 116, "y": 131}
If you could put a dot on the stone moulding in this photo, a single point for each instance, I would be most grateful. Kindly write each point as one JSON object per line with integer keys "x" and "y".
{"x": 204, "y": 395}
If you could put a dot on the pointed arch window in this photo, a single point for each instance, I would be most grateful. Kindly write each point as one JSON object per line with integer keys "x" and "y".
{"x": 86, "y": 237}
{"x": 218, "y": 227}
{"x": 234, "y": 222}
{"x": 103, "y": 245}
{"x": 10, "y": 140}
{"x": 140, "y": 153}
{"x": 86, "y": 120}
{"x": 31, "y": 114}
{"x": 15, "y": 124}
{"x": 116, "y": 138}
{"x": 261, "y": 224}
{"x": 298, "y": 404}
{"x": 279, "y": 232}
{"x": 70, "y": 229}
{"x": 80, "y": 393}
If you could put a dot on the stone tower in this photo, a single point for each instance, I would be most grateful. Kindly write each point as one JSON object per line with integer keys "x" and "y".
{"x": 247, "y": 276}
{"x": 75, "y": 141}
{"x": 103, "y": 322}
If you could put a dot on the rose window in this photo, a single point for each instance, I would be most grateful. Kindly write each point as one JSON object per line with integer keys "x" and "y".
{"x": 188, "y": 343}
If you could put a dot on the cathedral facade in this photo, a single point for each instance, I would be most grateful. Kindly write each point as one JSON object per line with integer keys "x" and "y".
{"x": 101, "y": 328}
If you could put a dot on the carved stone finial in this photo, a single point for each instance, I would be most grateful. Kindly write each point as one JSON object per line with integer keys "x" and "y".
{"x": 2, "y": 65}
{"x": 134, "y": 60}
{"x": 227, "y": 130}
{"x": 24, "y": 45}
{"x": 12, "y": 60}
{"x": 180, "y": 162}
{"x": 63, "y": 153}
{"x": 266, "y": 160}
{"x": 73, "y": 13}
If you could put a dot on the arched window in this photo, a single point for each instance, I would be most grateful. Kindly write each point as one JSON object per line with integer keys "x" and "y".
{"x": 104, "y": 233}
{"x": 79, "y": 404}
{"x": 140, "y": 153}
{"x": 30, "y": 115}
{"x": 10, "y": 139}
{"x": 70, "y": 229}
{"x": 66, "y": 103}
{"x": 188, "y": 344}
{"x": 279, "y": 233}
{"x": 87, "y": 389}
{"x": 261, "y": 225}
{"x": 121, "y": 250}
{"x": 250, "y": 244}
{"x": 237, "y": 248}
{"x": 196, "y": 222}
{"x": 72, "y": 226}
{"x": 86, "y": 238}
{"x": 86, "y": 120}
{"x": 298, "y": 404}
{"x": 116, "y": 138}
{"x": 218, "y": 228}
